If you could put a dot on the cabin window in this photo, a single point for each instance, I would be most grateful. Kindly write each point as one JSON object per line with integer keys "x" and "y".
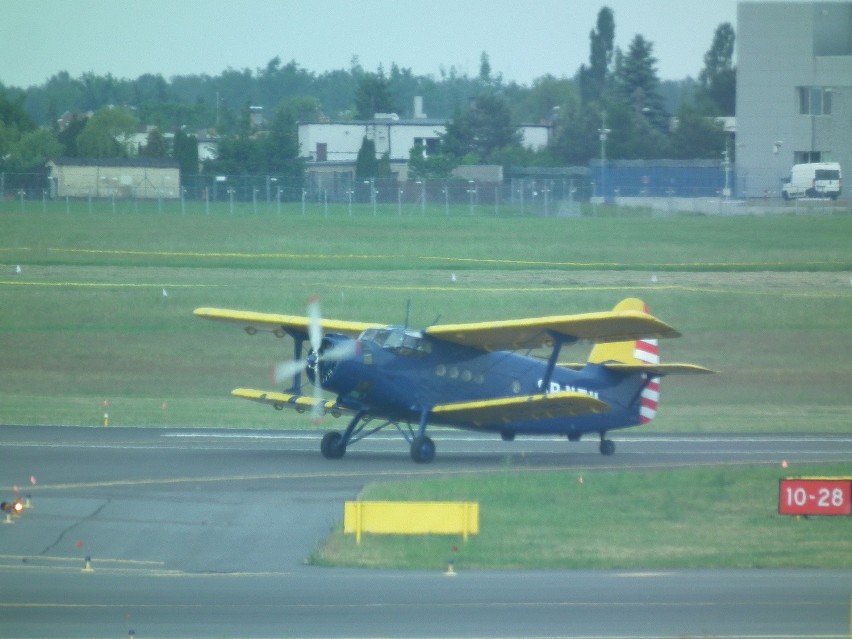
{"x": 399, "y": 340}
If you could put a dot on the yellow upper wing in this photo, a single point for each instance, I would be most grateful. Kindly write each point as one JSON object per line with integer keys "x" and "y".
{"x": 607, "y": 326}
{"x": 506, "y": 410}
{"x": 280, "y": 324}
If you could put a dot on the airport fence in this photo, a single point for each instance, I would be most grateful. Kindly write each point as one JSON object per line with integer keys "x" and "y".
{"x": 546, "y": 193}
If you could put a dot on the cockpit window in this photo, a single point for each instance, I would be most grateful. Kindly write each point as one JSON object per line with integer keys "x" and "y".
{"x": 400, "y": 340}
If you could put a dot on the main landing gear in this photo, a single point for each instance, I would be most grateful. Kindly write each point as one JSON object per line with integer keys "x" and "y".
{"x": 334, "y": 444}
{"x": 607, "y": 446}
{"x": 422, "y": 449}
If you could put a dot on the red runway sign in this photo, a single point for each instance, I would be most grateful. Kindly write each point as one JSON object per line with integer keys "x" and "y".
{"x": 815, "y": 496}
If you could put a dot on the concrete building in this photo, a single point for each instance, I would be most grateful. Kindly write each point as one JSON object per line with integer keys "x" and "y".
{"x": 331, "y": 148}
{"x": 794, "y": 91}
{"x": 137, "y": 178}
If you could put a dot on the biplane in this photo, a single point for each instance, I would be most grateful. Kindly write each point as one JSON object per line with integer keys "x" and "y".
{"x": 483, "y": 376}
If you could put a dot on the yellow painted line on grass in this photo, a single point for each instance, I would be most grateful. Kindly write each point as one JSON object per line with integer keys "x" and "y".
{"x": 626, "y": 266}
{"x": 563, "y": 289}
{"x": 432, "y": 258}
{"x": 460, "y": 288}
{"x": 105, "y": 284}
{"x": 252, "y": 256}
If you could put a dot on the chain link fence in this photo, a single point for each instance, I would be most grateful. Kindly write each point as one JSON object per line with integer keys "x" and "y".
{"x": 545, "y": 192}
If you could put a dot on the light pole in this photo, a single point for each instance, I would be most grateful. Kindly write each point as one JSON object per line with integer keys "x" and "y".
{"x": 604, "y": 132}
{"x": 776, "y": 150}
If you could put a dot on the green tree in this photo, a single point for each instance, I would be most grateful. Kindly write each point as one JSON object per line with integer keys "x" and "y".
{"x": 155, "y": 145}
{"x": 475, "y": 134}
{"x": 593, "y": 79}
{"x": 577, "y": 135}
{"x": 718, "y": 78}
{"x": 67, "y": 137}
{"x": 13, "y": 114}
{"x": 281, "y": 144}
{"x": 366, "y": 164}
{"x": 238, "y": 155}
{"x": 107, "y": 133}
{"x": 35, "y": 147}
{"x": 429, "y": 167}
{"x": 186, "y": 152}
{"x": 545, "y": 100}
{"x": 697, "y": 136}
{"x": 373, "y": 96}
{"x": 638, "y": 83}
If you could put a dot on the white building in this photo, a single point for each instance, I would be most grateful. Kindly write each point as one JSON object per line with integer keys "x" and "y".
{"x": 332, "y": 147}
{"x": 794, "y": 90}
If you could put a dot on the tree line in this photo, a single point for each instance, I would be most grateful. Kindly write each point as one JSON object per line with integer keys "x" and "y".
{"x": 616, "y": 93}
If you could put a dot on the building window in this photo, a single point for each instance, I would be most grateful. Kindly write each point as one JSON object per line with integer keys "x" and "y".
{"x": 814, "y": 100}
{"x": 806, "y": 157}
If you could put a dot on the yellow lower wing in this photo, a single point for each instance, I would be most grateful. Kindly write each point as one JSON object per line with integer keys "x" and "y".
{"x": 506, "y": 410}
{"x": 298, "y": 403}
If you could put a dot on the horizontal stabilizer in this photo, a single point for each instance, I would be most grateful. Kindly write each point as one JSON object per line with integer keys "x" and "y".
{"x": 506, "y": 410}
{"x": 299, "y": 403}
{"x": 659, "y": 370}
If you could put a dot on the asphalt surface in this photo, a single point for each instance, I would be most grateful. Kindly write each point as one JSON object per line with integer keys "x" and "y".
{"x": 205, "y": 533}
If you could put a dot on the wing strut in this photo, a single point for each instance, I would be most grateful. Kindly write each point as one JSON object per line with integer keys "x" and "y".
{"x": 558, "y": 340}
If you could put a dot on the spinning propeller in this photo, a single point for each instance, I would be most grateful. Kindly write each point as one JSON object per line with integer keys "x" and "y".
{"x": 320, "y": 361}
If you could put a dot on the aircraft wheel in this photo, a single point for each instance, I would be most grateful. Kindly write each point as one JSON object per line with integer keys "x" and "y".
{"x": 507, "y": 435}
{"x": 422, "y": 450}
{"x": 332, "y": 446}
{"x": 607, "y": 447}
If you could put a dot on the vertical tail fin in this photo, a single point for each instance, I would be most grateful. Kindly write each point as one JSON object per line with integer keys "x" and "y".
{"x": 635, "y": 352}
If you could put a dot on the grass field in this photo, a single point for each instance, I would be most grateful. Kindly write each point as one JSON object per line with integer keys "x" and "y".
{"x": 102, "y": 308}
{"x": 644, "y": 520}
{"x": 99, "y": 319}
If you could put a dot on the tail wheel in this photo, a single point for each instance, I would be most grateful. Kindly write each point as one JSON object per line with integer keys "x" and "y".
{"x": 422, "y": 450}
{"x": 332, "y": 446}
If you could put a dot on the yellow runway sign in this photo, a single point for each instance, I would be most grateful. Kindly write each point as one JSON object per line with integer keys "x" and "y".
{"x": 411, "y": 518}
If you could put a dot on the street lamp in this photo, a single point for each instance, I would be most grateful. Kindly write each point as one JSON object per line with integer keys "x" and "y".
{"x": 776, "y": 150}
{"x": 604, "y": 132}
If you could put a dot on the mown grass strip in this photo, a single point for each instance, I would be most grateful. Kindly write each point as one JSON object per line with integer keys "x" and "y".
{"x": 668, "y": 519}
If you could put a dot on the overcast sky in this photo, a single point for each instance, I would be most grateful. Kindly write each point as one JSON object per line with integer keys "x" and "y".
{"x": 523, "y": 41}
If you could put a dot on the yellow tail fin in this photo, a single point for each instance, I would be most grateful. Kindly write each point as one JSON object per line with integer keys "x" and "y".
{"x": 644, "y": 351}
{"x": 641, "y": 353}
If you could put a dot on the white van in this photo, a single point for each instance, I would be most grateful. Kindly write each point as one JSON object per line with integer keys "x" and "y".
{"x": 818, "y": 179}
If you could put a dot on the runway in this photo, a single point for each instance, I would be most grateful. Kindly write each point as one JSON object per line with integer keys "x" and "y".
{"x": 205, "y": 533}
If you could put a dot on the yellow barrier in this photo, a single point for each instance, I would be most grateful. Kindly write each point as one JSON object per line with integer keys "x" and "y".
{"x": 411, "y": 518}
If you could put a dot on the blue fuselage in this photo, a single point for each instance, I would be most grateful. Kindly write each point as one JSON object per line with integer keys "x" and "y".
{"x": 402, "y": 381}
